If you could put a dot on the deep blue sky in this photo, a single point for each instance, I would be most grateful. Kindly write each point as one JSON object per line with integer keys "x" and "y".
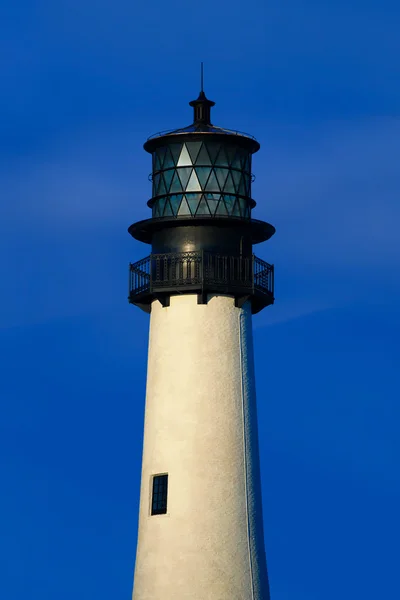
{"x": 83, "y": 84}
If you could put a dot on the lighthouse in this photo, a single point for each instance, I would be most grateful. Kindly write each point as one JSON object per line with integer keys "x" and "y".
{"x": 200, "y": 533}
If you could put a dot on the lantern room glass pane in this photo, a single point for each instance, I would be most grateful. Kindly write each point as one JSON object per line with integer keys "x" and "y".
{"x": 175, "y": 203}
{"x": 242, "y": 187}
{"x": 222, "y": 159}
{"x": 161, "y": 155}
{"x": 237, "y": 175}
{"x": 221, "y": 175}
{"x": 168, "y": 160}
{"x": 156, "y": 181}
{"x": 237, "y": 162}
{"x": 168, "y": 175}
{"x": 161, "y": 186}
{"x": 193, "y": 183}
{"x": 229, "y": 202}
{"x": 176, "y": 152}
{"x": 236, "y": 211}
{"x": 229, "y": 185}
{"x": 156, "y": 162}
{"x": 203, "y": 158}
{"x": 193, "y": 201}
{"x": 202, "y": 175}
{"x": 213, "y": 149}
{"x": 184, "y": 208}
{"x": 242, "y": 206}
{"x": 247, "y": 180}
{"x": 161, "y": 206}
{"x": 184, "y": 175}
{"x": 221, "y": 210}
{"x": 230, "y": 153}
{"x": 176, "y": 185}
{"x": 212, "y": 201}
{"x": 184, "y": 158}
{"x": 193, "y": 149}
{"x": 168, "y": 210}
{"x": 203, "y": 208}
{"x": 212, "y": 183}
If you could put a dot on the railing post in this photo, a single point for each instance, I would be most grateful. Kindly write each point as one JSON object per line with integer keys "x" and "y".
{"x": 253, "y": 274}
{"x": 151, "y": 273}
{"x": 272, "y": 272}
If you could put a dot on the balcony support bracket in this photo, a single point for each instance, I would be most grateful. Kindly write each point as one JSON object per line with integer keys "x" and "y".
{"x": 164, "y": 299}
{"x": 241, "y": 300}
{"x": 202, "y": 298}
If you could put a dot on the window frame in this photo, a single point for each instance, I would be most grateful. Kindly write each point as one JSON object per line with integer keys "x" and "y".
{"x": 159, "y": 505}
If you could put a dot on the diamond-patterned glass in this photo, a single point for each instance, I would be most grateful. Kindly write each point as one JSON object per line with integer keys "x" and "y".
{"x": 176, "y": 152}
{"x": 161, "y": 186}
{"x": 156, "y": 209}
{"x": 193, "y": 184}
{"x": 212, "y": 183}
{"x": 247, "y": 184}
{"x": 193, "y": 149}
{"x": 222, "y": 159}
{"x": 184, "y": 158}
{"x": 184, "y": 208}
{"x": 203, "y": 158}
{"x": 156, "y": 162}
{"x": 242, "y": 186}
{"x": 168, "y": 160}
{"x": 229, "y": 203}
{"x": 229, "y": 185}
{"x": 161, "y": 155}
{"x": 213, "y": 149}
{"x": 236, "y": 162}
{"x": 175, "y": 202}
{"x": 212, "y": 201}
{"x": 184, "y": 175}
{"x": 193, "y": 202}
{"x": 202, "y": 175}
{"x": 161, "y": 206}
{"x": 176, "y": 185}
{"x": 168, "y": 210}
{"x": 168, "y": 175}
{"x": 242, "y": 206}
{"x": 236, "y": 175}
{"x": 231, "y": 153}
{"x": 221, "y": 175}
{"x": 156, "y": 181}
{"x": 203, "y": 208}
{"x": 221, "y": 210}
{"x": 211, "y": 173}
{"x": 236, "y": 211}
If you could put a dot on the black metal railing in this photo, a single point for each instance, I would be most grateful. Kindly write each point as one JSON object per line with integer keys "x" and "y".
{"x": 180, "y": 272}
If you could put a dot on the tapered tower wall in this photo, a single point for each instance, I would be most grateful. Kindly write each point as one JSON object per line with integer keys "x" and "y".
{"x": 201, "y": 429}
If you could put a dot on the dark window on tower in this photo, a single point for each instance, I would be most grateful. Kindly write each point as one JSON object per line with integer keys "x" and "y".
{"x": 159, "y": 496}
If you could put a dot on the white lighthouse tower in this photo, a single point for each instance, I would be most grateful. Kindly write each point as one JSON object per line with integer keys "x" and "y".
{"x": 200, "y": 522}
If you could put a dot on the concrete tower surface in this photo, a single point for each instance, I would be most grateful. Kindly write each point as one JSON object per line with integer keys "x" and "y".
{"x": 200, "y": 522}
